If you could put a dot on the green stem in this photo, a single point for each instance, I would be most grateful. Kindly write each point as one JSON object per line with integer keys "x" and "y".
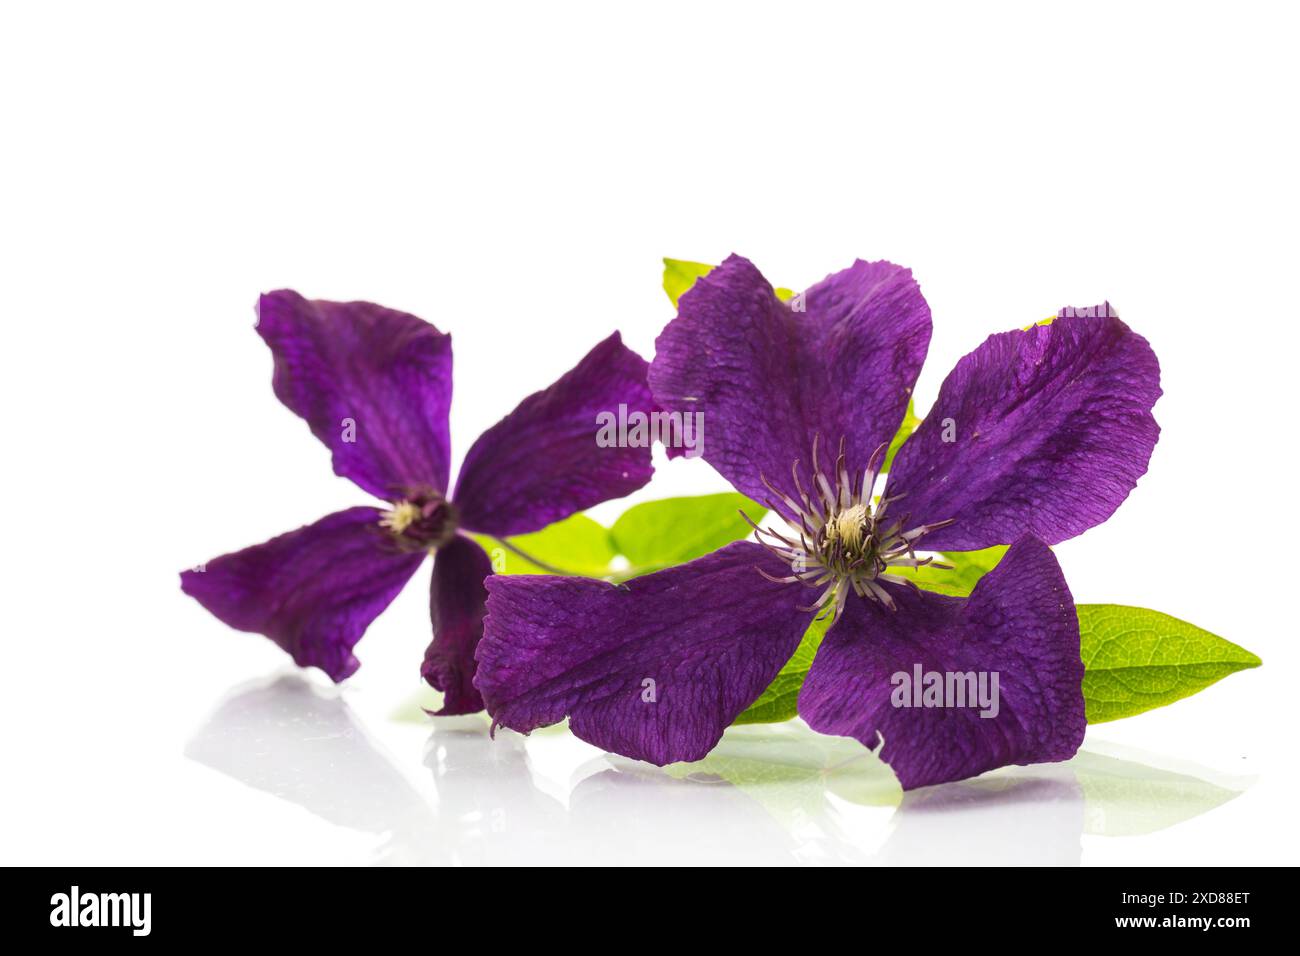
{"x": 530, "y": 559}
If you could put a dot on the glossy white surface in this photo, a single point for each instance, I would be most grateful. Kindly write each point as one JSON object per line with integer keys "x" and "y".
{"x": 778, "y": 794}
{"x": 514, "y": 175}
{"x": 289, "y": 770}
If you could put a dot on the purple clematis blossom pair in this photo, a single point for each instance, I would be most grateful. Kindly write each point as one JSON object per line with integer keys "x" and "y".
{"x": 1036, "y": 436}
{"x": 375, "y": 385}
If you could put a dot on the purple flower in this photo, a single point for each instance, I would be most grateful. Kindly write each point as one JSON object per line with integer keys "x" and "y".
{"x": 1036, "y": 436}
{"x": 374, "y": 385}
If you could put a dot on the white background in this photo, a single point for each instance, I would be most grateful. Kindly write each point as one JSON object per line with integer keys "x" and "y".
{"x": 513, "y": 173}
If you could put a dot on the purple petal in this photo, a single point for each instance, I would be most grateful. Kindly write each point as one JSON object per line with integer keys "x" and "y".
{"x": 1040, "y": 432}
{"x": 768, "y": 379}
{"x": 456, "y": 605}
{"x": 313, "y": 591}
{"x": 542, "y": 462}
{"x": 1018, "y": 622}
{"x": 655, "y": 669}
{"x": 373, "y": 384}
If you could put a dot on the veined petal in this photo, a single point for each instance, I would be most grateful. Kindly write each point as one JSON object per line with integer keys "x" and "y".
{"x": 374, "y": 385}
{"x": 313, "y": 591}
{"x": 1042, "y": 432}
{"x": 542, "y": 462}
{"x": 456, "y": 605}
{"x": 655, "y": 669}
{"x": 768, "y": 377}
{"x": 1018, "y": 623}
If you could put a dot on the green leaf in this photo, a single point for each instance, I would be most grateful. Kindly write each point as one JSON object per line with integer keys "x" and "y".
{"x": 910, "y": 421}
{"x": 676, "y": 530}
{"x": 779, "y": 701}
{"x": 680, "y": 275}
{"x": 1138, "y": 659}
{"x": 647, "y": 537}
{"x": 577, "y": 545}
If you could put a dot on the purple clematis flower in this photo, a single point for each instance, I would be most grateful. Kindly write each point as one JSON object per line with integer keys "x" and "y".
{"x": 1036, "y": 436}
{"x": 374, "y": 385}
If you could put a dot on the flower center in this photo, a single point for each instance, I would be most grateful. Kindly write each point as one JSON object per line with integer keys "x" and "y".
{"x": 851, "y": 527}
{"x": 839, "y": 537}
{"x": 423, "y": 521}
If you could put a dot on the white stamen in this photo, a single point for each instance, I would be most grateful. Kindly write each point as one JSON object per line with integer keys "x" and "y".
{"x": 400, "y": 517}
{"x": 843, "y": 542}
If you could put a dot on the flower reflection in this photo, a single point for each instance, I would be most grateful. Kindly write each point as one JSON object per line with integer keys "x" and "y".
{"x": 768, "y": 794}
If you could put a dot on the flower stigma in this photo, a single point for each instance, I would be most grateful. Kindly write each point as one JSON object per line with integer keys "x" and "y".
{"x": 839, "y": 537}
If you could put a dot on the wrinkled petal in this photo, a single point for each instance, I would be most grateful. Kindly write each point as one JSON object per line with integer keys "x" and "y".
{"x": 1042, "y": 432}
{"x": 1018, "y": 622}
{"x": 374, "y": 385}
{"x": 655, "y": 669}
{"x": 542, "y": 462}
{"x": 313, "y": 591}
{"x": 769, "y": 378}
{"x": 456, "y": 604}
